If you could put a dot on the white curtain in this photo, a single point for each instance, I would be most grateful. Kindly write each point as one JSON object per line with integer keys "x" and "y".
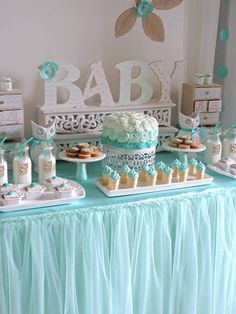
{"x": 201, "y": 18}
{"x": 228, "y": 59}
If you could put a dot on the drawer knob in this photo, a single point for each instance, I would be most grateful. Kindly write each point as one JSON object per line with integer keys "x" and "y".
{"x": 205, "y": 118}
{"x": 1, "y": 102}
{"x": 207, "y": 92}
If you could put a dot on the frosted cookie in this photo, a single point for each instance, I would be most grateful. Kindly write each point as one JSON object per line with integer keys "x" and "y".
{"x": 114, "y": 181}
{"x": 64, "y": 190}
{"x": 200, "y": 170}
{"x": 133, "y": 178}
{"x": 72, "y": 152}
{"x": 82, "y": 145}
{"x": 183, "y": 172}
{"x": 184, "y": 146}
{"x": 124, "y": 172}
{"x": 167, "y": 175}
{"x": 54, "y": 181}
{"x": 95, "y": 152}
{"x": 11, "y": 197}
{"x": 151, "y": 177}
{"x": 34, "y": 191}
{"x": 175, "y": 166}
{"x": 192, "y": 166}
{"x": 85, "y": 153}
{"x": 106, "y": 171}
{"x": 143, "y": 172}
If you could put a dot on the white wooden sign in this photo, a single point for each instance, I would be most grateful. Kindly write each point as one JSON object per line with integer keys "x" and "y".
{"x": 77, "y": 97}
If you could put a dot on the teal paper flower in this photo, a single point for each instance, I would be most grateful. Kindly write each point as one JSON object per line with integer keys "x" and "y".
{"x": 48, "y": 70}
{"x": 144, "y": 8}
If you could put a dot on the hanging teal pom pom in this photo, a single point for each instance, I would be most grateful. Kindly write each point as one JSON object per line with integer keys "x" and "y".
{"x": 48, "y": 70}
{"x": 222, "y": 71}
{"x": 224, "y": 34}
{"x": 144, "y": 8}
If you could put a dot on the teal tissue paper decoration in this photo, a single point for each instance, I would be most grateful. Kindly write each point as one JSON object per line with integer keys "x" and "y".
{"x": 222, "y": 71}
{"x": 144, "y": 8}
{"x": 48, "y": 70}
{"x": 224, "y": 34}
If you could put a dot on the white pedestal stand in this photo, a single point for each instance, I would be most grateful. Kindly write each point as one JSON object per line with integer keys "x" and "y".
{"x": 81, "y": 171}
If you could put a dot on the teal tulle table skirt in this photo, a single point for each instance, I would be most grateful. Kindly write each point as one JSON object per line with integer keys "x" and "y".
{"x": 168, "y": 254}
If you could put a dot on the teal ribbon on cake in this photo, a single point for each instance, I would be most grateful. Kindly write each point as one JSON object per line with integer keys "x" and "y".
{"x": 140, "y": 145}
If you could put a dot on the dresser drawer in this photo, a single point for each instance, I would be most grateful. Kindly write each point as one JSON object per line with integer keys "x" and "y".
{"x": 12, "y": 131}
{"x": 8, "y": 102}
{"x": 200, "y": 106}
{"x": 214, "y": 105}
{"x": 11, "y": 117}
{"x": 202, "y": 93}
{"x": 209, "y": 118}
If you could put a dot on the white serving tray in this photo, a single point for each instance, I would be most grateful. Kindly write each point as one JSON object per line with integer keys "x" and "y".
{"x": 221, "y": 171}
{"x": 48, "y": 199}
{"x": 142, "y": 188}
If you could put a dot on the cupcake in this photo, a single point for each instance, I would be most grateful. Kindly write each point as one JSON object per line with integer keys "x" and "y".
{"x": 124, "y": 171}
{"x": 192, "y": 167}
{"x": 159, "y": 168}
{"x": 183, "y": 172}
{"x": 200, "y": 170}
{"x": 106, "y": 171}
{"x": 151, "y": 177}
{"x": 114, "y": 181}
{"x": 143, "y": 172}
{"x": 175, "y": 166}
{"x": 133, "y": 178}
{"x": 167, "y": 175}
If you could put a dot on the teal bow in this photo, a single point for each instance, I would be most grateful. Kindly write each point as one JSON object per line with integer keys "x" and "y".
{"x": 192, "y": 131}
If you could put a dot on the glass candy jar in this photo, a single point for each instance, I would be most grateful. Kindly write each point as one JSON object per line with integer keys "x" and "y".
{"x": 3, "y": 168}
{"x": 213, "y": 147}
{"x": 46, "y": 164}
{"x": 22, "y": 167}
{"x": 229, "y": 143}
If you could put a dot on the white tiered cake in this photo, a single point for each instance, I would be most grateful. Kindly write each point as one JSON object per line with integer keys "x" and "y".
{"x": 129, "y": 138}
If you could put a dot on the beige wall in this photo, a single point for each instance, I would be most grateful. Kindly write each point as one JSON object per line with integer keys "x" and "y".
{"x": 79, "y": 32}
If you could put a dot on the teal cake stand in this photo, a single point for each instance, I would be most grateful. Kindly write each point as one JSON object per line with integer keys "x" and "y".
{"x": 81, "y": 171}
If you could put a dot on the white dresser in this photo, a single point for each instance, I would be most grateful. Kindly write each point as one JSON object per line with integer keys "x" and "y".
{"x": 205, "y": 99}
{"x": 11, "y": 114}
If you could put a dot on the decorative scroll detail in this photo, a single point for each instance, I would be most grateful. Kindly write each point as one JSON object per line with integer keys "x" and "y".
{"x": 163, "y": 140}
{"x": 92, "y": 122}
{"x": 163, "y": 115}
{"x": 117, "y": 158}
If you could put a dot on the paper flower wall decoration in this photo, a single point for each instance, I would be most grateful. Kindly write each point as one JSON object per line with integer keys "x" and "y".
{"x": 48, "y": 70}
{"x": 152, "y": 24}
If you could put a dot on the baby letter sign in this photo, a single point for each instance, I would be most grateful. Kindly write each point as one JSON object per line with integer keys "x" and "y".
{"x": 76, "y": 97}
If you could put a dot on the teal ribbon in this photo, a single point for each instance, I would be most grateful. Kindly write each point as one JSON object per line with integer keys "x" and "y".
{"x": 37, "y": 141}
{"x": 193, "y": 131}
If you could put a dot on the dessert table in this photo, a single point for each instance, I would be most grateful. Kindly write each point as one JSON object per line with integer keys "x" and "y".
{"x": 170, "y": 253}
